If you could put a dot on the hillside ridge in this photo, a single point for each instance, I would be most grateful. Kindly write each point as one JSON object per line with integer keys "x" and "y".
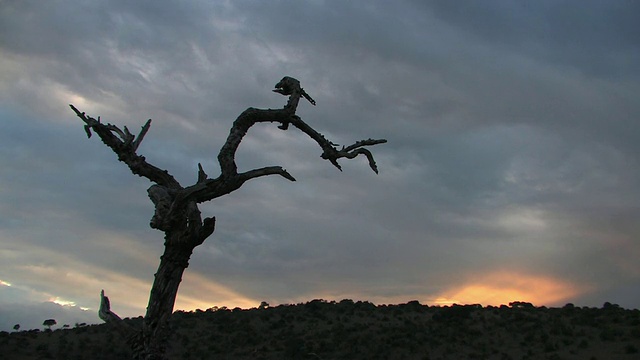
{"x": 347, "y": 329}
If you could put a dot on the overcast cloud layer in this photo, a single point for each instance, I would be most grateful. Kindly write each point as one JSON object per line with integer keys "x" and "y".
{"x": 511, "y": 172}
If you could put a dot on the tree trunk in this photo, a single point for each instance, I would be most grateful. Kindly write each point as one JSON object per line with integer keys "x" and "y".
{"x": 155, "y": 329}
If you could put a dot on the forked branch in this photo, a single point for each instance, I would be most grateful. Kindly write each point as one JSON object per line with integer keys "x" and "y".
{"x": 125, "y": 144}
{"x": 331, "y": 153}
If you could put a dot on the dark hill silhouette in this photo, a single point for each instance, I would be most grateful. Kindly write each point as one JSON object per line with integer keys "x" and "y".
{"x": 361, "y": 330}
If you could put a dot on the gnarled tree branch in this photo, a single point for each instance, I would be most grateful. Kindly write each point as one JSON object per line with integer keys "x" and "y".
{"x": 125, "y": 145}
{"x": 230, "y": 179}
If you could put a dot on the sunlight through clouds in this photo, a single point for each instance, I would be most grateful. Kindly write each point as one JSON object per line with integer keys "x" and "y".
{"x": 62, "y": 302}
{"x": 202, "y": 292}
{"x": 502, "y": 287}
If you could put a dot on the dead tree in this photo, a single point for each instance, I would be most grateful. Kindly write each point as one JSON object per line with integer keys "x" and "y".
{"x": 176, "y": 206}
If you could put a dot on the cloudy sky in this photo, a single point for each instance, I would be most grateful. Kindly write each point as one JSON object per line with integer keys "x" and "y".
{"x": 511, "y": 172}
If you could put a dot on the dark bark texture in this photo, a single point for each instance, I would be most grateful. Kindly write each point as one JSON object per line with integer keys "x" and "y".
{"x": 176, "y": 207}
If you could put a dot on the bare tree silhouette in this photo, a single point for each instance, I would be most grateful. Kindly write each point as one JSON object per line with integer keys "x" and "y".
{"x": 176, "y": 206}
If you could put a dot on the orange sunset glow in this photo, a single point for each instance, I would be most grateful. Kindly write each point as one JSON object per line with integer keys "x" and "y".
{"x": 503, "y": 287}
{"x": 199, "y": 292}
